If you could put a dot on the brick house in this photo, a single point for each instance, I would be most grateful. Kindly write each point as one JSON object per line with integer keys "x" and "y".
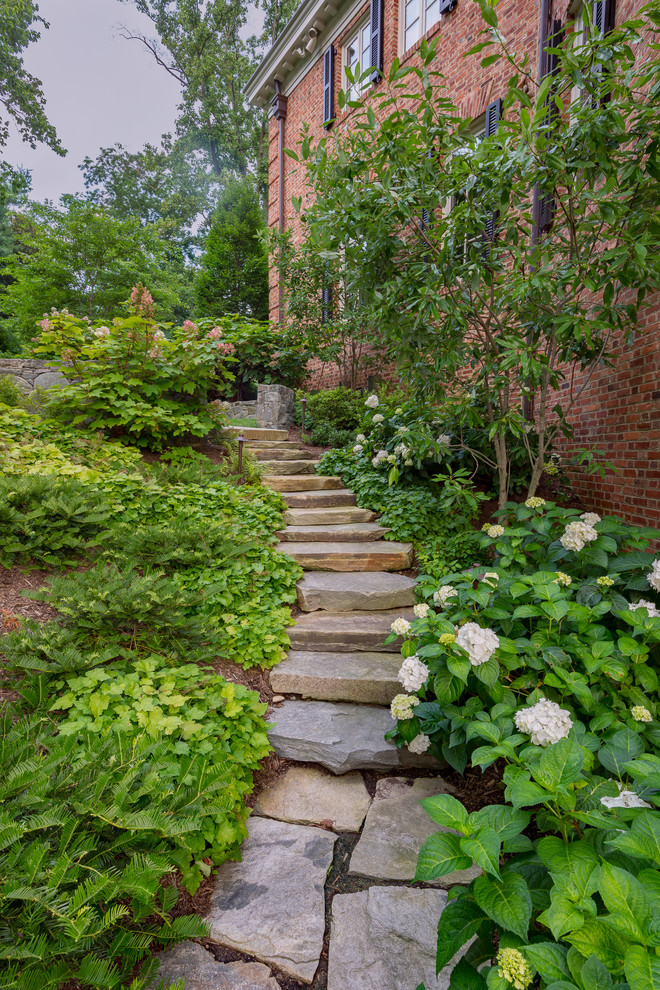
{"x": 299, "y": 78}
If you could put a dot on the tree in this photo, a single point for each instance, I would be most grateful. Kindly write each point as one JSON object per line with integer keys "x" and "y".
{"x": 199, "y": 43}
{"x": 475, "y": 298}
{"x": 234, "y": 269}
{"x": 21, "y": 94}
{"x": 14, "y": 187}
{"x": 81, "y": 258}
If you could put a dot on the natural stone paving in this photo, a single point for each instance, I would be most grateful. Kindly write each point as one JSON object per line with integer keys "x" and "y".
{"x": 343, "y": 632}
{"x": 318, "y": 499}
{"x": 367, "y": 677}
{"x": 340, "y": 737}
{"x": 201, "y": 971}
{"x": 371, "y": 591}
{"x": 347, "y": 533}
{"x": 306, "y": 796}
{"x": 298, "y": 466}
{"x": 384, "y": 938}
{"x": 271, "y": 905}
{"x": 380, "y": 556}
{"x": 328, "y": 516}
{"x": 301, "y": 483}
{"x": 279, "y": 453}
{"x": 395, "y": 830}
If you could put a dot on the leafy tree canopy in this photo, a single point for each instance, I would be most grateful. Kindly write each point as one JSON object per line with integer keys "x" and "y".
{"x": 21, "y": 95}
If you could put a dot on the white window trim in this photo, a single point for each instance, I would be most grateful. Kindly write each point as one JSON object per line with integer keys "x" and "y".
{"x": 354, "y": 91}
{"x": 424, "y": 27}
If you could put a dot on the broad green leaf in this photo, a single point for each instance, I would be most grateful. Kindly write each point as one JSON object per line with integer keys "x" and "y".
{"x": 548, "y": 958}
{"x": 594, "y": 975}
{"x": 441, "y": 854}
{"x": 562, "y": 915}
{"x": 459, "y": 922}
{"x": 446, "y": 810}
{"x": 597, "y": 938}
{"x": 484, "y": 848}
{"x": 643, "y": 839}
{"x": 560, "y": 764}
{"x": 465, "y": 977}
{"x": 624, "y": 898}
{"x": 507, "y": 902}
{"x": 571, "y": 864}
{"x": 642, "y": 969}
{"x": 524, "y": 793}
{"x": 506, "y": 822}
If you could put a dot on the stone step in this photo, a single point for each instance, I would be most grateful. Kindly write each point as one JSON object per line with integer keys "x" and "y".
{"x": 289, "y": 467}
{"x": 382, "y": 556}
{"x": 350, "y": 533}
{"x": 328, "y": 516}
{"x": 282, "y": 454}
{"x": 367, "y": 677}
{"x": 311, "y": 796}
{"x": 373, "y": 590}
{"x": 275, "y": 445}
{"x": 302, "y": 483}
{"x": 256, "y": 432}
{"x": 340, "y": 736}
{"x": 319, "y": 499}
{"x": 345, "y": 632}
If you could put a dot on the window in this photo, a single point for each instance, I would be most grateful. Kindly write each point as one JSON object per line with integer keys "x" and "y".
{"x": 419, "y": 16}
{"x": 358, "y": 50}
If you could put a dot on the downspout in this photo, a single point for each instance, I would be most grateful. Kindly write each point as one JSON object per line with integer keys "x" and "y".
{"x": 279, "y": 104}
{"x": 528, "y": 403}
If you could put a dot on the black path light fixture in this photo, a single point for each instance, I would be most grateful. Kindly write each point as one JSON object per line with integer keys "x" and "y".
{"x": 241, "y": 441}
{"x": 303, "y": 403}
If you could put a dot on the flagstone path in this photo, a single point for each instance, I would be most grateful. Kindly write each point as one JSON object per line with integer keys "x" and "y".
{"x": 313, "y": 830}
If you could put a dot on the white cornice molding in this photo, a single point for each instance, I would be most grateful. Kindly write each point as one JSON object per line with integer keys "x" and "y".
{"x": 283, "y": 60}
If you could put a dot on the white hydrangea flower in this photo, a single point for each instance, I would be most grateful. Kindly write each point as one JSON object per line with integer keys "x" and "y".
{"x": 491, "y": 578}
{"x": 591, "y": 518}
{"x": 402, "y": 450}
{"x": 495, "y": 531}
{"x": 479, "y": 643}
{"x": 444, "y": 439}
{"x": 358, "y": 448}
{"x": 413, "y": 674}
{"x": 443, "y": 594}
{"x": 641, "y": 714}
{"x": 545, "y": 722}
{"x": 372, "y": 402}
{"x": 654, "y": 577}
{"x": 408, "y": 462}
{"x": 391, "y": 459}
{"x": 419, "y": 744}
{"x": 402, "y": 706}
{"x": 577, "y": 534}
{"x": 361, "y": 438}
{"x": 535, "y": 503}
{"x": 625, "y": 799}
{"x": 401, "y": 429}
{"x": 398, "y": 411}
{"x": 649, "y": 606}
{"x": 381, "y": 455}
{"x": 564, "y": 580}
{"x": 102, "y": 332}
{"x": 421, "y": 610}
{"x": 378, "y": 418}
{"x": 400, "y": 626}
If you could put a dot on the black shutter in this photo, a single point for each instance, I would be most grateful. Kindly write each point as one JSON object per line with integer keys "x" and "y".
{"x": 546, "y": 203}
{"x": 603, "y": 16}
{"x": 554, "y": 41}
{"x": 376, "y": 39}
{"x": 493, "y": 117}
{"x": 328, "y": 86}
{"x": 326, "y": 299}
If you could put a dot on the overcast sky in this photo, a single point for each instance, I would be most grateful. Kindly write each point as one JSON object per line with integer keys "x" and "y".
{"x": 99, "y": 88}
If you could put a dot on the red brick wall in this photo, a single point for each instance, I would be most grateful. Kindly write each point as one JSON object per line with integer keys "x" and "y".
{"x": 619, "y": 408}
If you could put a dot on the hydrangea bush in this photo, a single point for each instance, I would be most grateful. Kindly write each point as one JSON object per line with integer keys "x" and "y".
{"x": 545, "y": 660}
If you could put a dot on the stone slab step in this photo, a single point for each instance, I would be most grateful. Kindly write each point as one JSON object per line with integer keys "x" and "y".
{"x": 350, "y": 533}
{"x": 328, "y": 516}
{"x": 302, "y": 482}
{"x": 345, "y": 632}
{"x": 382, "y": 556}
{"x": 275, "y": 444}
{"x": 282, "y": 454}
{"x": 271, "y": 905}
{"x": 372, "y": 590}
{"x": 289, "y": 467}
{"x": 367, "y": 677}
{"x": 311, "y": 796}
{"x": 340, "y": 737}
{"x": 256, "y": 432}
{"x": 191, "y": 962}
{"x": 319, "y": 499}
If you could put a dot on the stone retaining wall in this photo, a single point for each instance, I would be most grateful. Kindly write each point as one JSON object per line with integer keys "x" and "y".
{"x": 30, "y": 374}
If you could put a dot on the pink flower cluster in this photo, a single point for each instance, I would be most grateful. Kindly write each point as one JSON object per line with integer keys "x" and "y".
{"x": 225, "y": 347}
{"x": 215, "y": 333}
{"x": 190, "y": 329}
{"x": 45, "y": 324}
{"x": 142, "y": 301}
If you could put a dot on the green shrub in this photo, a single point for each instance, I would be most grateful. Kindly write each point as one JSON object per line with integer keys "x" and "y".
{"x": 339, "y": 407}
{"x": 549, "y": 663}
{"x": 90, "y": 826}
{"x": 442, "y": 555}
{"x": 325, "y": 435}
{"x": 10, "y": 392}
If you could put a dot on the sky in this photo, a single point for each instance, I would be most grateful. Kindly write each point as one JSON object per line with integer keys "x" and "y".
{"x": 99, "y": 88}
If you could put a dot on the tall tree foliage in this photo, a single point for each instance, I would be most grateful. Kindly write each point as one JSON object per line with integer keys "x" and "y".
{"x": 433, "y": 228}
{"x": 234, "y": 272}
{"x": 21, "y": 95}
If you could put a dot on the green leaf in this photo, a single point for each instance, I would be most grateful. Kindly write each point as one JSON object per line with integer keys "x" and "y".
{"x": 507, "y": 902}
{"x": 642, "y": 969}
{"x": 623, "y": 747}
{"x": 465, "y": 977}
{"x": 594, "y": 975}
{"x": 562, "y": 915}
{"x": 625, "y": 899}
{"x": 548, "y": 958}
{"x": 643, "y": 839}
{"x": 594, "y": 937}
{"x": 571, "y": 864}
{"x": 441, "y": 854}
{"x": 484, "y": 848}
{"x": 459, "y": 922}
{"x": 506, "y": 822}
{"x": 446, "y": 810}
{"x": 560, "y": 764}
{"x": 525, "y": 793}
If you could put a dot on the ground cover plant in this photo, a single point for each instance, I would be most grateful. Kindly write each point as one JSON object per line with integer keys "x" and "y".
{"x": 545, "y": 658}
{"x": 144, "y": 753}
